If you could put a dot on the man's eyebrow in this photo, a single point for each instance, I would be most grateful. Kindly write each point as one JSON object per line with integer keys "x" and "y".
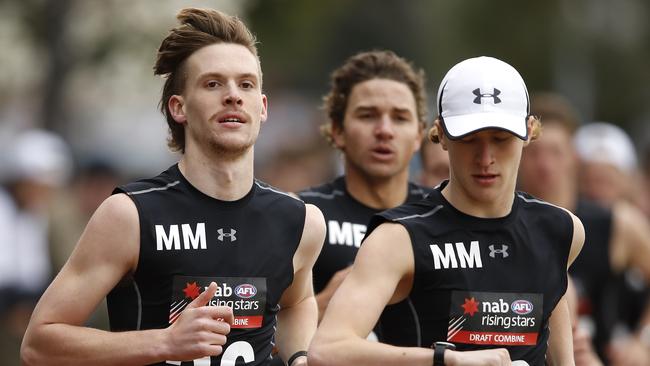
{"x": 218, "y": 75}
{"x": 364, "y": 108}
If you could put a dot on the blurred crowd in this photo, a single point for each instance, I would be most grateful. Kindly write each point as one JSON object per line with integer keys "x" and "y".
{"x": 47, "y": 194}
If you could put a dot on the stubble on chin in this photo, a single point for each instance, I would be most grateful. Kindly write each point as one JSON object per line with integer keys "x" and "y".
{"x": 229, "y": 150}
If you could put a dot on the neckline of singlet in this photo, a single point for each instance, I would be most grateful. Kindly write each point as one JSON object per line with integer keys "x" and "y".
{"x": 224, "y": 204}
{"x": 474, "y": 220}
{"x": 341, "y": 184}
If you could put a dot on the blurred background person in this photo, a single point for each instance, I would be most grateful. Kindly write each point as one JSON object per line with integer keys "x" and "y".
{"x": 300, "y": 165}
{"x": 616, "y": 238}
{"x": 608, "y": 164}
{"x": 583, "y": 350}
{"x": 609, "y": 174}
{"x": 435, "y": 163}
{"x": 92, "y": 182}
{"x": 34, "y": 166}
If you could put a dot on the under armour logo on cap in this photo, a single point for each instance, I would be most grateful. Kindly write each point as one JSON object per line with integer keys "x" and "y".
{"x": 480, "y": 95}
{"x": 230, "y": 235}
{"x": 503, "y": 251}
{"x": 483, "y": 93}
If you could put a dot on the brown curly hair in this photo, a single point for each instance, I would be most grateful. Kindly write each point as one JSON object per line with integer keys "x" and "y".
{"x": 365, "y": 66}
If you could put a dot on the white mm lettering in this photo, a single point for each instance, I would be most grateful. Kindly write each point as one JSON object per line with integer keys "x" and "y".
{"x": 448, "y": 258}
{"x": 191, "y": 239}
{"x": 172, "y": 240}
{"x": 340, "y": 234}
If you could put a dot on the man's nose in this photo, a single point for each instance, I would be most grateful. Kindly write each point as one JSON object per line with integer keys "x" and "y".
{"x": 232, "y": 96}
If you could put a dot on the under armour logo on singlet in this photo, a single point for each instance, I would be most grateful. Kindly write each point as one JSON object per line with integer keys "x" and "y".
{"x": 480, "y": 96}
{"x": 503, "y": 251}
{"x": 230, "y": 235}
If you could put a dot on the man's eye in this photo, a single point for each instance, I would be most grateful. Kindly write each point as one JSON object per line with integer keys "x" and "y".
{"x": 366, "y": 115}
{"x": 212, "y": 84}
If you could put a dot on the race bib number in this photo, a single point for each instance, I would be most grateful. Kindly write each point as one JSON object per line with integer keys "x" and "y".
{"x": 245, "y": 295}
{"x": 492, "y": 318}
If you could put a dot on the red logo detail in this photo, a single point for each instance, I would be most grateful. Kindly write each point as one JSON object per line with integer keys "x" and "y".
{"x": 470, "y": 306}
{"x": 191, "y": 290}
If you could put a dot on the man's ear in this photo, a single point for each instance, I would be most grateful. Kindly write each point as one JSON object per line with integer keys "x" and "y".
{"x": 438, "y": 131}
{"x": 176, "y": 106}
{"x": 265, "y": 109}
{"x": 421, "y": 132}
{"x": 337, "y": 135}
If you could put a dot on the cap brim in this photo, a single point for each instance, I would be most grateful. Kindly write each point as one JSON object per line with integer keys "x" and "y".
{"x": 458, "y": 127}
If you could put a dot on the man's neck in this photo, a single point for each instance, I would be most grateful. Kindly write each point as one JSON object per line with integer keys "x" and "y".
{"x": 377, "y": 193}
{"x": 477, "y": 206}
{"x": 564, "y": 195}
{"x": 226, "y": 180}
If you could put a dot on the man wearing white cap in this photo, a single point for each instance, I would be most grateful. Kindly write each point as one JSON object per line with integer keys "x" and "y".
{"x": 608, "y": 162}
{"x": 482, "y": 266}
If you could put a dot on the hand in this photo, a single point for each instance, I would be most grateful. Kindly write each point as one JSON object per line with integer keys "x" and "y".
{"x": 200, "y": 330}
{"x": 490, "y": 357}
{"x": 583, "y": 351}
{"x": 323, "y": 297}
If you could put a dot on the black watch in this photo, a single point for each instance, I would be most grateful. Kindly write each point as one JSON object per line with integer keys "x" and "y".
{"x": 439, "y": 352}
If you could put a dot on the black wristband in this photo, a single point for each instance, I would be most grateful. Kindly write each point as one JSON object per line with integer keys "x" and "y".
{"x": 296, "y": 355}
{"x": 439, "y": 355}
{"x": 439, "y": 349}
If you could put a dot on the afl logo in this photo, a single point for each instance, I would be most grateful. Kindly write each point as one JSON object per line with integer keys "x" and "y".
{"x": 245, "y": 291}
{"x": 522, "y": 307}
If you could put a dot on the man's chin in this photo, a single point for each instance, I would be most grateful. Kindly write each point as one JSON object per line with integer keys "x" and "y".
{"x": 230, "y": 148}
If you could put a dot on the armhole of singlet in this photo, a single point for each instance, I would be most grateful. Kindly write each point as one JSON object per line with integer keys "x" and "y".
{"x": 138, "y": 208}
{"x": 412, "y": 310}
{"x": 567, "y": 250}
{"x": 299, "y": 239}
{"x": 411, "y": 236}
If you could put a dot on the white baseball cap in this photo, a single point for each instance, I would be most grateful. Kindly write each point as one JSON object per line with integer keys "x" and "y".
{"x": 481, "y": 93}
{"x": 39, "y": 156}
{"x": 603, "y": 142}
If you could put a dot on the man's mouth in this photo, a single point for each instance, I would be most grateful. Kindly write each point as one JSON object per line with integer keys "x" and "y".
{"x": 231, "y": 119}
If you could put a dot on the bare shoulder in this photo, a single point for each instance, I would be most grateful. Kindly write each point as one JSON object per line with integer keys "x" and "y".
{"x": 113, "y": 233}
{"x": 578, "y": 237}
{"x": 389, "y": 243}
{"x": 385, "y": 262}
{"x": 107, "y": 250}
{"x": 387, "y": 247}
{"x": 313, "y": 236}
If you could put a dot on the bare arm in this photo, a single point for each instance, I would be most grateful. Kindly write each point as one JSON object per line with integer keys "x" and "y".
{"x": 382, "y": 274}
{"x": 107, "y": 251}
{"x": 630, "y": 246}
{"x": 560, "y": 344}
{"x": 323, "y": 298}
{"x": 298, "y": 316}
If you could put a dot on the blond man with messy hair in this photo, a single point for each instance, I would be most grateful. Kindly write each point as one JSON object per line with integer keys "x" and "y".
{"x": 202, "y": 263}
